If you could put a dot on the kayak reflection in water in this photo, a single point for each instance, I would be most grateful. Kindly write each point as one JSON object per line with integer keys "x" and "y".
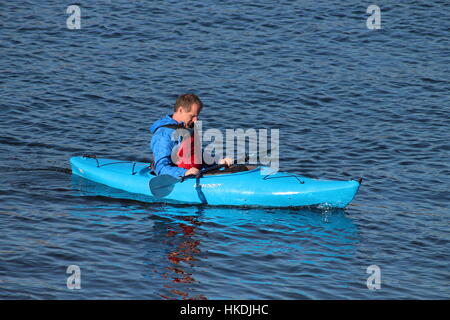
{"x": 186, "y": 149}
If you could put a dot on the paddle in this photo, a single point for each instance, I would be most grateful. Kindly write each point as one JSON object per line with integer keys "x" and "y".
{"x": 162, "y": 185}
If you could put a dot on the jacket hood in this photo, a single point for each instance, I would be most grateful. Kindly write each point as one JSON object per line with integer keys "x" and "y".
{"x": 161, "y": 122}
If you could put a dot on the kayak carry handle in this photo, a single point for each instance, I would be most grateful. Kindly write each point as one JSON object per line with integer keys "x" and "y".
{"x": 92, "y": 156}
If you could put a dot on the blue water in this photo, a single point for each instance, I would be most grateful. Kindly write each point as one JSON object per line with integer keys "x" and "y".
{"x": 349, "y": 102}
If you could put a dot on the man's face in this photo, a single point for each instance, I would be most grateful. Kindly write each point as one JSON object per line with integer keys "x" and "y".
{"x": 190, "y": 117}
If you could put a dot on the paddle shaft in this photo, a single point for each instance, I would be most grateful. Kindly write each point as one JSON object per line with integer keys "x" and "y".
{"x": 216, "y": 167}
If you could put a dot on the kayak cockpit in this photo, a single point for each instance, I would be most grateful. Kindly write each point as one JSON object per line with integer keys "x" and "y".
{"x": 232, "y": 169}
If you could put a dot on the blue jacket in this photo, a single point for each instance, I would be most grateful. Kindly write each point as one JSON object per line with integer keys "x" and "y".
{"x": 162, "y": 146}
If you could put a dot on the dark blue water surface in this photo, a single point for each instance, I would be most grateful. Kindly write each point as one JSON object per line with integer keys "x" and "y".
{"x": 349, "y": 102}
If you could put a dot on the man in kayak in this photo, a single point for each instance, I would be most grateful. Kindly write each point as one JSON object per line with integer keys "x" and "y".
{"x": 186, "y": 112}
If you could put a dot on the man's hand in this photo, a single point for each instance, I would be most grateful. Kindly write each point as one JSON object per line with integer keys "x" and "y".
{"x": 193, "y": 171}
{"x": 226, "y": 161}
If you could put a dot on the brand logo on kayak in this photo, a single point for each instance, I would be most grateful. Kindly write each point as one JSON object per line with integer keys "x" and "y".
{"x": 207, "y": 185}
{"x": 234, "y": 144}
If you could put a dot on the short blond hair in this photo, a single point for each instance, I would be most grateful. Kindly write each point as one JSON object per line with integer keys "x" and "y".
{"x": 186, "y": 101}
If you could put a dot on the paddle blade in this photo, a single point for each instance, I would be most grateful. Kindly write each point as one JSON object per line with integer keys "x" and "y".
{"x": 161, "y": 186}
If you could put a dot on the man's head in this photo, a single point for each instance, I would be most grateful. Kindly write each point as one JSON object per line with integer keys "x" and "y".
{"x": 187, "y": 109}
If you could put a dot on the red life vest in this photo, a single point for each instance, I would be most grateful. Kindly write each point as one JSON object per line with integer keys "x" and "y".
{"x": 189, "y": 154}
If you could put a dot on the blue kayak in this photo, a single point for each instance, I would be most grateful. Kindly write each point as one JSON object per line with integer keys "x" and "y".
{"x": 240, "y": 185}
